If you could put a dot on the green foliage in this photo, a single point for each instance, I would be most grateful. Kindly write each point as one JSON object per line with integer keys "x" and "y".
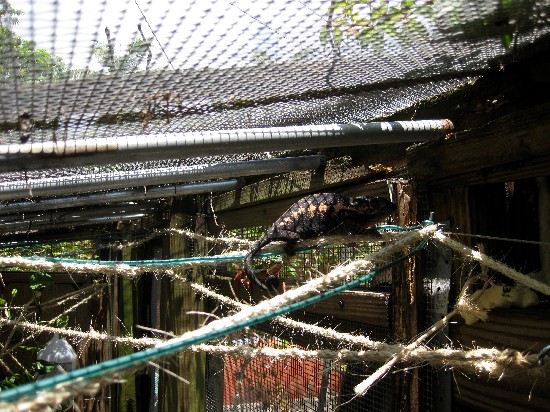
{"x": 19, "y": 374}
{"x": 4, "y": 304}
{"x": 23, "y": 61}
{"x": 8, "y": 14}
{"x": 78, "y": 249}
{"x": 505, "y": 20}
{"x": 19, "y": 58}
{"x": 26, "y": 375}
{"x": 126, "y": 63}
{"x": 369, "y": 23}
{"x": 39, "y": 280}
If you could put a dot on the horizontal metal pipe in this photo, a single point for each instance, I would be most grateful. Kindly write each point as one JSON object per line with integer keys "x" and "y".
{"x": 59, "y": 219}
{"x": 61, "y": 154}
{"x": 58, "y": 186}
{"x": 120, "y": 196}
{"x": 29, "y": 226}
{"x": 59, "y": 216}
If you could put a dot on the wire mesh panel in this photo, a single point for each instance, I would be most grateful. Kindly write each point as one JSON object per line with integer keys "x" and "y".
{"x": 291, "y": 384}
{"x": 278, "y": 385}
{"x": 120, "y": 103}
{"x": 99, "y": 69}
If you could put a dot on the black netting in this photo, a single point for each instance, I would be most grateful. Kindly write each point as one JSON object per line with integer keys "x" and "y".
{"x": 105, "y": 100}
{"x": 139, "y": 70}
{"x": 116, "y": 69}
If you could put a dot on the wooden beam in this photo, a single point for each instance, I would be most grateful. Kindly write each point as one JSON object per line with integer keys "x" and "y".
{"x": 370, "y": 308}
{"x": 174, "y": 394}
{"x": 265, "y": 213}
{"x": 406, "y": 304}
{"x": 512, "y": 147}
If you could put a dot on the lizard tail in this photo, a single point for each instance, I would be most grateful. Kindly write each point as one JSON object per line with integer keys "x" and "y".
{"x": 256, "y": 246}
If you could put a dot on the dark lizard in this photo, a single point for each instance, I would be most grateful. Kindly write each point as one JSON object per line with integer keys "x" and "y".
{"x": 320, "y": 214}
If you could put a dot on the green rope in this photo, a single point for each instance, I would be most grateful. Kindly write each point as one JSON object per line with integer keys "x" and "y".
{"x": 202, "y": 259}
{"x": 123, "y": 362}
{"x": 159, "y": 262}
{"x": 397, "y": 228}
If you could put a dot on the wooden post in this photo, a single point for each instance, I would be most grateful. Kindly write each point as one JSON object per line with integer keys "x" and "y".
{"x": 406, "y": 304}
{"x": 197, "y": 361}
{"x": 126, "y": 298}
{"x": 177, "y": 299}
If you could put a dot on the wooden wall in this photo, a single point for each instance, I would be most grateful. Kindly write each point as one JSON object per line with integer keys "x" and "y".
{"x": 482, "y": 182}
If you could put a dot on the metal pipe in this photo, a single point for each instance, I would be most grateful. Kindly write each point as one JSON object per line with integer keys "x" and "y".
{"x": 30, "y": 226}
{"x": 59, "y": 219}
{"x": 84, "y": 213}
{"x": 61, "y": 154}
{"x": 58, "y": 186}
{"x": 120, "y": 196}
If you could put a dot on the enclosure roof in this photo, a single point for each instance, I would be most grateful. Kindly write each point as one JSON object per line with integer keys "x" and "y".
{"x": 139, "y": 70}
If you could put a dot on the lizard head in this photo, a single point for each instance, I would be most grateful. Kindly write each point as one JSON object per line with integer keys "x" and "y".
{"x": 372, "y": 208}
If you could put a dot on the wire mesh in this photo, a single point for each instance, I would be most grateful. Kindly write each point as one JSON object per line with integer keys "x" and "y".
{"x": 264, "y": 383}
{"x": 82, "y": 71}
{"x": 79, "y": 72}
{"x": 99, "y": 69}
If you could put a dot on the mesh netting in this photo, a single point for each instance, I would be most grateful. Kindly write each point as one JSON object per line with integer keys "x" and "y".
{"x": 137, "y": 67}
{"x": 106, "y": 77}
{"x": 136, "y": 70}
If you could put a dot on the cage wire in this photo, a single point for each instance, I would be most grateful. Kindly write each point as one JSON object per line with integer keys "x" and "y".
{"x": 483, "y": 361}
{"x": 104, "y": 78}
{"x": 309, "y": 384}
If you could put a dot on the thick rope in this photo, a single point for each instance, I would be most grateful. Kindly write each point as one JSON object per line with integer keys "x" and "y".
{"x": 491, "y": 263}
{"x": 167, "y": 267}
{"x": 314, "y": 291}
{"x": 79, "y": 336}
{"x": 170, "y": 267}
{"x": 362, "y": 341}
{"x": 488, "y": 362}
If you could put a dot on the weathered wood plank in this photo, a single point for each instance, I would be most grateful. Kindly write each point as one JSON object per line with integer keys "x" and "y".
{"x": 265, "y": 213}
{"x": 406, "y": 303}
{"x": 521, "y": 329}
{"x": 175, "y": 394}
{"x": 370, "y": 308}
{"x": 518, "y": 394}
{"x": 127, "y": 398}
{"x": 512, "y": 147}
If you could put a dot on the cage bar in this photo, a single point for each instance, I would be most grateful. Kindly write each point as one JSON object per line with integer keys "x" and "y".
{"x": 95, "y": 182}
{"x": 46, "y": 155}
{"x": 129, "y": 195}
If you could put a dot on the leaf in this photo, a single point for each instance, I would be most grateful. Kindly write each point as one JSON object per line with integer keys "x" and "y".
{"x": 40, "y": 280}
{"x": 30, "y": 348}
{"x": 338, "y": 37}
{"x": 42, "y": 367}
{"x": 62, "y": 321}
{"x": 506, "y": 40}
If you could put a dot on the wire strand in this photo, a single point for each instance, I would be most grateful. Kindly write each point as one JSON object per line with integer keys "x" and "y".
{"x": 316, "y": 290}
